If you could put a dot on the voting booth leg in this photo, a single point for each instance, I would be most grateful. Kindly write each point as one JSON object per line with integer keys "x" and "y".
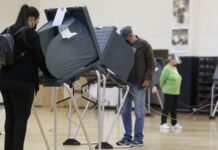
{"x": 70, "y": 141}
{"x": 106, "y": 144}
{"x": 83, "y": 116}
{"x": 212, "y": 111}
{"x": 78, "y": 114}
{"x": 103, "y": 105}
{"x": 69, "y": 117}
{"x": 54, "y": 99}
{"x": 40, "y": 127}
{"x": 1, "y": 117}
{"x": 73, "y": 141}
{"x": 2, "y": 113}
{"x": 148, "y": 108}
{"x": 215, "y": 109}
{"x": 99, "y": 108}
{"x": 119, "y": 99}
{"x": 158, "y": 96}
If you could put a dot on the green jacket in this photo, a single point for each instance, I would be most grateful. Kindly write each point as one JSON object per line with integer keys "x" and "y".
{"x": 170, "y": 81}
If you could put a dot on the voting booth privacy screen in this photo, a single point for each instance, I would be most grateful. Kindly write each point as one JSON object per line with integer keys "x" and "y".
{"x": 74, "y": 46}
{"x": 116, "y": 54}
{"x": 158, "y": 70}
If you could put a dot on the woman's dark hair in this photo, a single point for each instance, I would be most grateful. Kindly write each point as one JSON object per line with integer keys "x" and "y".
{"x": 26, "y": 12}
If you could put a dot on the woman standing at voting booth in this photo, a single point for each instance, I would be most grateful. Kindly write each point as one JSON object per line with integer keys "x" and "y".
{"x": 170, "y": 82}
{"x": 19, "y": 81}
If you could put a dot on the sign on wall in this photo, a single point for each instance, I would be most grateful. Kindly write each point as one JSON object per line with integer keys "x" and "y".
{"x": 180, "y": 26}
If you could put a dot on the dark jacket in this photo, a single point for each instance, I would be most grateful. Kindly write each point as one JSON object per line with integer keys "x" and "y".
{"x": 26, "y": 67}
{"x": 144, "y": 65}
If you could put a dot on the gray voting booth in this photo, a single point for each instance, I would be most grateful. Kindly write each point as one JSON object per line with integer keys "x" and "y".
{"x": 67, "y": 58}
{"x": 88, "y": 49}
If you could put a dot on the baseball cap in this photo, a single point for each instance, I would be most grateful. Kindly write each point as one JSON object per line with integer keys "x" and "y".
{"x": 125, "y": 31}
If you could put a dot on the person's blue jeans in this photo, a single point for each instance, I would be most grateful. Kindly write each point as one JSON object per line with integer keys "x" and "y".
{"x": 138, "y": 97}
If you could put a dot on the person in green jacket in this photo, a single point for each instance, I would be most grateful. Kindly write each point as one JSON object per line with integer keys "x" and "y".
{"x": 170, "y": 82}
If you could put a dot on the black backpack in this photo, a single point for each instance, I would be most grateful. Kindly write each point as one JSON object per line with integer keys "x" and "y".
{"x": 7, "y": 54}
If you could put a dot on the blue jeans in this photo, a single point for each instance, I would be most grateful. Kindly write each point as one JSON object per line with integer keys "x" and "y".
{"x": 138, "y": 97}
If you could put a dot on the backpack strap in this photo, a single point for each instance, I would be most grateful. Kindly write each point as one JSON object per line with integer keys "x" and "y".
{"x": 8, "y": 30}
{"x": 24, "y": 52}
{"x": 21, "y": 29}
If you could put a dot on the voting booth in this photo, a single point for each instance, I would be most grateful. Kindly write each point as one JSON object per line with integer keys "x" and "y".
{"x": 72, "y": 48}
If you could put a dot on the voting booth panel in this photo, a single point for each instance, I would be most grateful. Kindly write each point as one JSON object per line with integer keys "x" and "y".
{"x": 117, "y": 55}
{"x": 85, "y": 47}
{"x": 64, "y": 56}
{"x": 68, "y": 57}
{"x": 189, "y": 72}
{"x": 159, "y": 62}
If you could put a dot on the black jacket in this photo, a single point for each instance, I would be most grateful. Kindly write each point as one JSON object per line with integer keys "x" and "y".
{"x": 144, "y": 65}
{"x": 26, "y": 67}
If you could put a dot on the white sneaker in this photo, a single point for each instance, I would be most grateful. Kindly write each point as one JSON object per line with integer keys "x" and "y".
{"x": 177, "y": 127}
{"x": 164, "y": 126}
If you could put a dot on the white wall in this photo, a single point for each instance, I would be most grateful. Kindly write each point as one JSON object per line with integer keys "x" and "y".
{"x": 205, "y": 27}
{"x": 151, "y": 19}
{"x": 9, "y": 10}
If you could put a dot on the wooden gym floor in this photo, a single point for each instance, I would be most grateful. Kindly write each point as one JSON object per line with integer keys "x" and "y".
{"x": 199, "y": 132}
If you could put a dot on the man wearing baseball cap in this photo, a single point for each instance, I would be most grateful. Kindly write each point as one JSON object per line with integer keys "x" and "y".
{"x": 140, "y": 78}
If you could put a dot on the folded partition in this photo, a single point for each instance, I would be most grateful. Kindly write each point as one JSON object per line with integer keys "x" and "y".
{"x": 46, "y": 33}
{"x": 158, "y": 70}
{"x": 117, "y": 55}
{"x": 68, "y": 57}
{"x": 65, "y": 56}
{"x": 215, "y": 75}
{"x": 80, "y": 13}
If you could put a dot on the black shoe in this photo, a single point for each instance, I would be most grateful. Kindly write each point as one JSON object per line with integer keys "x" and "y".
{"x": 124, "y": 142}
{"x": 136, "y": 143}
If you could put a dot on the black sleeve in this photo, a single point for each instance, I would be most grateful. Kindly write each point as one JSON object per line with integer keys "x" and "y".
{"x": 33, "y": 42}
{"x": 140, "y": 65}
{"x": 149, "y": 62}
